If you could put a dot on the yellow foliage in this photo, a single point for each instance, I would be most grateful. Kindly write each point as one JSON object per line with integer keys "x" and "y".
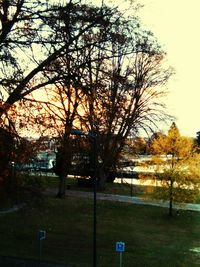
{"x": 177, "y": 167}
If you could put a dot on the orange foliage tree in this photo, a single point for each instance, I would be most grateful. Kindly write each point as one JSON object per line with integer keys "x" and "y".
{"x": 176, "y": 167}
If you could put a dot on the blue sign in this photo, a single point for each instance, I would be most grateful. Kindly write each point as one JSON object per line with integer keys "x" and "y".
{"x": 42, "y": 235}
{"x": 120, "y": 246}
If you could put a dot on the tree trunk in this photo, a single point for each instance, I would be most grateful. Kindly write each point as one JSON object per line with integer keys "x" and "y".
{"x": 61, "y": 187}
{"x": 171, "y": 199}
{"x": 101, "y": 181}
{"x": 63, "y": 161}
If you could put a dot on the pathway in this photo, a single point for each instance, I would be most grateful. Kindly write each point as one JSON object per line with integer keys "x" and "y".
{"x": 128, "y": 199}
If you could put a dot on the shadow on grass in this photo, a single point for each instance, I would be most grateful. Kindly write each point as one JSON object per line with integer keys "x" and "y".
{"x": 151, "y": 237}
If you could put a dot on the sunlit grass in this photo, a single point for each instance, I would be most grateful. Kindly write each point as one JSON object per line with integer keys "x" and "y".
{"x": 122, "y": 188}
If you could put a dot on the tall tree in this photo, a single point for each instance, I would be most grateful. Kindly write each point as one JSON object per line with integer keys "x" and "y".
{"x": 30, "y": 42}
{"x": 112, "y": 68}
{"x": 115, "y": 72}
{"x": 177, "y": 171}
{"x": 128, "y": 98}
{"x": 49, "y": 38}
{"x": 66, "y": 98}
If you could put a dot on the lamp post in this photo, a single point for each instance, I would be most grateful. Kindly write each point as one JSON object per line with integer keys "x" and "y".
{"x": 92, "y": 136}
{"x": 94, "y": 202}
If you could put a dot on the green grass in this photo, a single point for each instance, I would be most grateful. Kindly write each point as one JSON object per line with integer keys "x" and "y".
{"x": 111, "y": 188}
{"x": 151, "y": 237}
{"x": 145, "y": 191}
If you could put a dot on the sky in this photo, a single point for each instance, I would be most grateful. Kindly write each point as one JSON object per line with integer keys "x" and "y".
{"x": 176, "y": 24}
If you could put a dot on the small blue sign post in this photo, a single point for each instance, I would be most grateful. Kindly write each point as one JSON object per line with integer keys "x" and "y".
{"x": 41, "y": 236}
{"x": 120, "y": 247}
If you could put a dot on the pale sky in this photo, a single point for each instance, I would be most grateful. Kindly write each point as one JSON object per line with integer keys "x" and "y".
{"x": 176, "y": 24}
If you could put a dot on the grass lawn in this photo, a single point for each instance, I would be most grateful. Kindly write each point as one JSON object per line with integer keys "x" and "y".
{"x": 151, "y": 237}
{"x": 121, "y": 188}
{"x": 111, "y": 188}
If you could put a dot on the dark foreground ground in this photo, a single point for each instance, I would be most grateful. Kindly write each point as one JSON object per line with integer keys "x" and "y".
{"x": 14, "y": 262}
{"x": 152, "y": 238}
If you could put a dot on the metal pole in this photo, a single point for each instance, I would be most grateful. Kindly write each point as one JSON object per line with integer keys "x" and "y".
{"x": 40, "y": 251}
{"x": 120, "y": 259}
{"x": 92, "y": 136}
{"x": 94, "y": 205}
{"x": 131, "y": 187}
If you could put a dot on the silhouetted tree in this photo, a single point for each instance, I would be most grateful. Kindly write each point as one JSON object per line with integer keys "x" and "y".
{"x": 108, "y": 76}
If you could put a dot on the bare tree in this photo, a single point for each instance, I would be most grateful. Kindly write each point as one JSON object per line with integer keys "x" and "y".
{"x": 31, "y": 41}
{"x": 39, "y": 46}
{"x": 124, "y": 92}
{"x": 109, "y": 80}
{"x": 66, "y": 104}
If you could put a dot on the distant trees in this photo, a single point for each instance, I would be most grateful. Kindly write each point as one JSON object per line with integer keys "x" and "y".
{"x": 176, "y": 167}
{"x": 198, "y": 138}
{"x": 137, "y": 146}
{"x": 6, "y": 151}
